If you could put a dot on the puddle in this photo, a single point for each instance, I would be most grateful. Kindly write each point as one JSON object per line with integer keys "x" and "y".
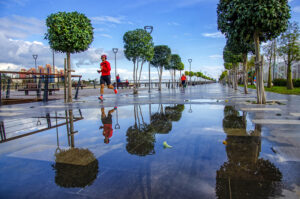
{"x": 207, "y": 100}
{"x": 217, "y": 152}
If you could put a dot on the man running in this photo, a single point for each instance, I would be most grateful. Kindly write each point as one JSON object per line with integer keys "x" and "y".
{"x": 105, "y": 76}
{"x": 107, "y": 124}
{"x": 183, "y": 79}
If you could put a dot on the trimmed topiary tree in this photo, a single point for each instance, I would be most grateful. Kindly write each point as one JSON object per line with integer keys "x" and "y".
{"x": 161, "y": 59}
{"x": 139, "y": 48}
{"x": 69, "y": 32}
{"x": 261, "y": 21}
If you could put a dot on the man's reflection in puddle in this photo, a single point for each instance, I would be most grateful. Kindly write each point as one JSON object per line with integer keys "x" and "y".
{"x": 107, "y": 124}
{"x": 245, "y": 175}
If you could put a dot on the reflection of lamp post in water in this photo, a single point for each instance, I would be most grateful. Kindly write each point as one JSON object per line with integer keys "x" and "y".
{"x": 35, "y": 57}
{"x": 115, "y": 50}
{"x": 117, "y": 126}
{"x": 190, "y": 61}
{"x": 149, "y": 29}
{"x": 190, "y": 110}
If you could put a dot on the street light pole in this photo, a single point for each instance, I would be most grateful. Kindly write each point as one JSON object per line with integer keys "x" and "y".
{"x": 190, "y": 61}
{"x": 149, "y": 29}
{"x": 115, "y": 50}
{"x": 35, "y": 57}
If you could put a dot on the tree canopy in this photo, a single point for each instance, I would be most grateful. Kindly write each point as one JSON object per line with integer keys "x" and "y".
{"x": 244, "y": 18}
{"x": 138, "y": 44}
{"x": 70, "y": 32}
{"x": 162, "y": 56}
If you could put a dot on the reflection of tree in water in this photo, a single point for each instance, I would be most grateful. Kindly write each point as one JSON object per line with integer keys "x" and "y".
{"x": 74, "y": 167}
{"x": 233, "y": 122}
{"x": 174, "y": 113}
{"x": 140, "y": 136}
{"x": 245, "y": 175}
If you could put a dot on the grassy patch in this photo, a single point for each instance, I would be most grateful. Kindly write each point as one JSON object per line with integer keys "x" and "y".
{"x": 279, "y": 89}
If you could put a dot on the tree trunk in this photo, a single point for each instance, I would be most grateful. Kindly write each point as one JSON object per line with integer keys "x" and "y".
{"x": 69, "y": 78}
{"x": 134, "y": 81}
{"x": 160, "y": 76}
{"x": 245, "y": 73}
{"x": 65, "y": 78}
{"x": 235, "y": 77}
{"x": 174, "y": 79}
{"x": 269, "y": 74}
{"x": 260, "y": 91}
{"x": 289, "y": 83}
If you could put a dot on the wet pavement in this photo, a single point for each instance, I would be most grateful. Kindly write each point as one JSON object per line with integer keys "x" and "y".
{"x": 223, "y": 146}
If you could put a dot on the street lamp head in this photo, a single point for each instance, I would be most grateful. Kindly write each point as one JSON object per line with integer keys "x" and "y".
{"x": 35, "y": 56}
{"x": 149, "y": 29}
{"x": 190, "y": 60}
{"x": 115, "y": 50}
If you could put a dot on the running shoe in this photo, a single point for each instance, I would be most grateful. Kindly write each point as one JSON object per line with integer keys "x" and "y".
{"x": 100, "y": 98}
{"x": 116, "y": 91}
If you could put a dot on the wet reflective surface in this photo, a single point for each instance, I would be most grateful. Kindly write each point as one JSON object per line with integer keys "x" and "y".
{"x": 217, "y": 152}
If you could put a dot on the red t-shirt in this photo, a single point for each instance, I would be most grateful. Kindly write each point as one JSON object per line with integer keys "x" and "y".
{"x": 105, "y": 68}
{"x": 108, "y": 130}
{"x": 183, "y": 78}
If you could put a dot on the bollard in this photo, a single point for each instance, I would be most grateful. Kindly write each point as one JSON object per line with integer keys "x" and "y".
{"x": 77, "y": 88}
{"x": 8, "y": 88}
{"x": 94, "y": 84}
{"x": 46, "y": 90}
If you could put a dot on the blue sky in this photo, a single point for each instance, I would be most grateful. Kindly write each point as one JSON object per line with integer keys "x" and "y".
{"x": 188, "y": 27}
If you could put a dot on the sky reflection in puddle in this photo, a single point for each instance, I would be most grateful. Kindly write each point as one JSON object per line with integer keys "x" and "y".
{"x": 118, "y": 153}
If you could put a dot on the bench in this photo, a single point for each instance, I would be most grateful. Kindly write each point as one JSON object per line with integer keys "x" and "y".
{"x": 81, "y": 85}
{"x": 123, "y": 84}
{"x": 34, "y": 87}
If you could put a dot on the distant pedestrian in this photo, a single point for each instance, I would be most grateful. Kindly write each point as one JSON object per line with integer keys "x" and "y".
{"x": 118, "y": 78}
{"x": 105, "y": 76}
{"x": 183, "y": 80}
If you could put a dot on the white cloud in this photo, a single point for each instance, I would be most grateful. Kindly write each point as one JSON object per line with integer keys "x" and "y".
{"x": 103, "y": 19}
{"x": 216, "y": 56}
{"x": 9, "y": 67}
{"x": 173, "y": 24}
{"x": 296, "y": 9}
{"x": 213, "y": 35}
{"x": 106, "y": 35}
{"x": 21, "y": 27}
{"x": 19, "y": 53}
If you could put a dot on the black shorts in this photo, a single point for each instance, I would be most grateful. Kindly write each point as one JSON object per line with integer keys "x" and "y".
{"x": 105, "y": 79}
{"x": 107, "y": 119}
{"x": 183, "y": 82}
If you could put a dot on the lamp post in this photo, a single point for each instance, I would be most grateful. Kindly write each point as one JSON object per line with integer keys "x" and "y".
{"x": 190, "y": 61}
{"x": 115, "y": 50}
{"x": 35, "y": 57}
{"x": 149, "y": 29}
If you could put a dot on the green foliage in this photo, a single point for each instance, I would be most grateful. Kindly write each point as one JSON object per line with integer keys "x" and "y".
{"x": 230, "y": 57}
{"x": 186, "y": 73}
{"x": 191, "y": 73}
{"x": 283, "y": 82}
{"x": 279, "y": 82}
{"x": 244, "y": 18}
{"x": 70, "y": 32}
{"x": 162, "y": 56}
{"x": 138, "y": 44}
{"x": 175, "y": 62}
{"x": 289, "y": 44}
{"x": 223, "y": 75}
{"x": 181, "y": 66}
